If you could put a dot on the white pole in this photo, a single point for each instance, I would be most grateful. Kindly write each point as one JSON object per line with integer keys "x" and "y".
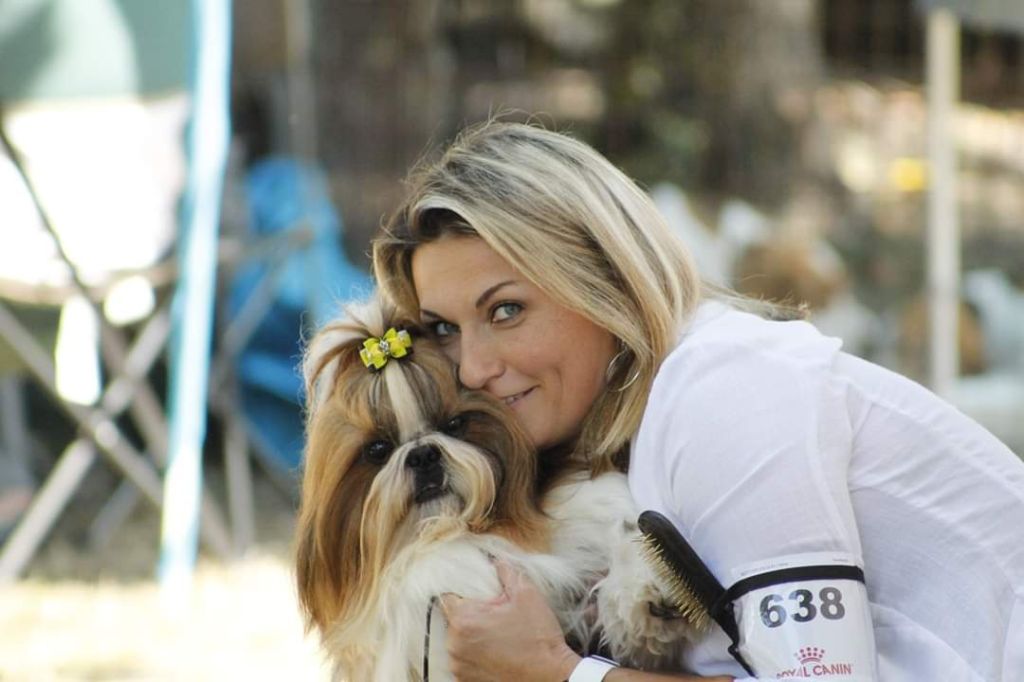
{"x": 943, "y": 84}
{"x": 193, "y": 305}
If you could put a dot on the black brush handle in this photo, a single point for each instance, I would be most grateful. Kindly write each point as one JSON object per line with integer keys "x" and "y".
{"x": 691, "y": 570}
{"x": 681, "y": 557}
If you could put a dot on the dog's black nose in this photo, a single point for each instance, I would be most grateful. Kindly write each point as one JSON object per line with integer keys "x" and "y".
{"x": 428, "y": 473}
{"x": 423, "y": 457}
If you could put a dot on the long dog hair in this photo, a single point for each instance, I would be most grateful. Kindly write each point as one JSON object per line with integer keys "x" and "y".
{"x": 413, "y": 484}
{"x": 366, "y": 500}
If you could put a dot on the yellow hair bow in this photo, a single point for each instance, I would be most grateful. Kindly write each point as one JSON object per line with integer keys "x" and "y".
{"x": 376, "y": 352}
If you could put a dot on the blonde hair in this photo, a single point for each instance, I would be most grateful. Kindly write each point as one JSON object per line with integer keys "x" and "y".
{"x": 577, "y": 228}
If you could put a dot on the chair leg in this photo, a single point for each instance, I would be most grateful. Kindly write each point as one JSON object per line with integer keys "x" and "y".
{"x": 45, "y": 508}
{"x": 117, "y": 509}
{"x": 14, "y": 428}
{"x": 239, "y": 475}
{"x": 98, "y": 425}
{"x": 213, "y": 529}
{"x": 132, "y": 392}
{"x": 116, "y": 398}
{"x": 223, "y": 396}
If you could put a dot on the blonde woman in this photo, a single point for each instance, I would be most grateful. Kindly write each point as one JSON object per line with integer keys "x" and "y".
{"x": 870, "y": 531}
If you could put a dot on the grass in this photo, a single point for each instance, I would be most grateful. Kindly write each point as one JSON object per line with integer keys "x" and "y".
{"x": 82, "y": 615}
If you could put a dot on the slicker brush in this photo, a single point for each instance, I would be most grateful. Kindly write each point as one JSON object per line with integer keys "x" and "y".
{"x": 694, "y": 591}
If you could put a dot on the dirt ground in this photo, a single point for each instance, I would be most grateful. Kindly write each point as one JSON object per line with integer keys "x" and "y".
{"x": 82, "y": 614}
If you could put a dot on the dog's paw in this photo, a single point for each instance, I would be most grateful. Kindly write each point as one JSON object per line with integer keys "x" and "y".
{"x": 663, "y": 610}
{"x": 639, "y": 625}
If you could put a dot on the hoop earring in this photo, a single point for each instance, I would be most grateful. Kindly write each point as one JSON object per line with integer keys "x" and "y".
{"x": 609, "y": 372}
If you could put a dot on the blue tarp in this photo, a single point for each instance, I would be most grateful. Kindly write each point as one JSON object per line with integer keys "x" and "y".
{"x": 285, "y": 194}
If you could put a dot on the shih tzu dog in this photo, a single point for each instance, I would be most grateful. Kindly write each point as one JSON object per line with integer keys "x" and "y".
{"x": 413, "y": 485}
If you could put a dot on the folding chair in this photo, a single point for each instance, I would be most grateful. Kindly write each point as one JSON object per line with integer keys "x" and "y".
{"x": 235, "y": 332}
{"x": 126, "y": 390}
{"x": 283, "y": 266}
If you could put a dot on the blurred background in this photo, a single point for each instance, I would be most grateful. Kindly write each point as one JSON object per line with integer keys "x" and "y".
{"x": 186, "y": 189}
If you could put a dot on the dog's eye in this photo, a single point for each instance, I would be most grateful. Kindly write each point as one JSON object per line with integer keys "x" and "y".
{"x": 454, "y": 426}
{"x": 377, "y": 451}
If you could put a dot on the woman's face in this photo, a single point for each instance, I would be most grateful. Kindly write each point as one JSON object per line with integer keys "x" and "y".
{"x": 511, "y": 339}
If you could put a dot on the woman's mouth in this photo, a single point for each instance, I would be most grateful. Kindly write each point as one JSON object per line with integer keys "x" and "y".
{"x": 513, "y": 399}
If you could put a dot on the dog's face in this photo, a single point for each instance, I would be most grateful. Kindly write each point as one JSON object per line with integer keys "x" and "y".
{"x": 396, "y": 457}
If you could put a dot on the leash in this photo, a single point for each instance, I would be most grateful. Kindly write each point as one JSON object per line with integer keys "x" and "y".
{"x": 426, "y": 641}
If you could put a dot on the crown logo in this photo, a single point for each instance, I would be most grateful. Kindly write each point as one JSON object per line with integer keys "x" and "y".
{"x": 810, "y": 654}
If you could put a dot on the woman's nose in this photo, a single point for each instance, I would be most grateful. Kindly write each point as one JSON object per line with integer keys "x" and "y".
{"x": 478, "y": 362}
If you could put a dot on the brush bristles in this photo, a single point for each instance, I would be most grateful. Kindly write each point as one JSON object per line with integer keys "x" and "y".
{"x": 681, "y": 593}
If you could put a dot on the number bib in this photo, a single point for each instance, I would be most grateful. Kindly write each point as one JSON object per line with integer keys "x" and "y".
{"x": 805, "y": 615}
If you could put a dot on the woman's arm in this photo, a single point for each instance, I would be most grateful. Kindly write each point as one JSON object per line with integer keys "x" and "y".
{"x": 517, "y": 637}
{"x": 747, "y": 449}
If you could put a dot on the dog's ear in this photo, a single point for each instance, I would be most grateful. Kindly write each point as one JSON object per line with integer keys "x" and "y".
{"x": 329, "y": 547}
{"x": 310, "y": 580}
{"x": 327, "y": 561}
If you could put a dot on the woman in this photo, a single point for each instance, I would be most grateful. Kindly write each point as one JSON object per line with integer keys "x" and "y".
{"x": 554, "y": 284}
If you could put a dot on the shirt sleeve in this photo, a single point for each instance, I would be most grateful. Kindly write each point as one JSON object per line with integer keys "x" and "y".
{"x": 748, "y": 450}
{"x": 753, "y": 449}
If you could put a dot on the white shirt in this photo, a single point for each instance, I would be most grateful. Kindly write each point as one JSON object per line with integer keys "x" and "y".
{"x": 762, "y": 439}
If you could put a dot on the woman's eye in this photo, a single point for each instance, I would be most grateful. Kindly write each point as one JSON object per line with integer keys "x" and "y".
{"x": 377, "y": 451}
{"x": 505, "y": 311}
{"x": 454, "y": 426}
{"x": 442, "y": 329}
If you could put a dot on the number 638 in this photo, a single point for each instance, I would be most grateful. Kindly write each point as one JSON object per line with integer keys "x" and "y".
{"x": 829, "y": 606}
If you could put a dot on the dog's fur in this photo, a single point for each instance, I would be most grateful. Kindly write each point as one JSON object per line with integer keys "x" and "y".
{"x": 412, "y": 485}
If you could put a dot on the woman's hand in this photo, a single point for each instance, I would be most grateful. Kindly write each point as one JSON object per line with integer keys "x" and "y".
{"x": 515, "y": 636}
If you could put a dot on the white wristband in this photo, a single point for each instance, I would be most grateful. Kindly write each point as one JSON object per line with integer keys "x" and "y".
{"x": 591, "y": 669}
